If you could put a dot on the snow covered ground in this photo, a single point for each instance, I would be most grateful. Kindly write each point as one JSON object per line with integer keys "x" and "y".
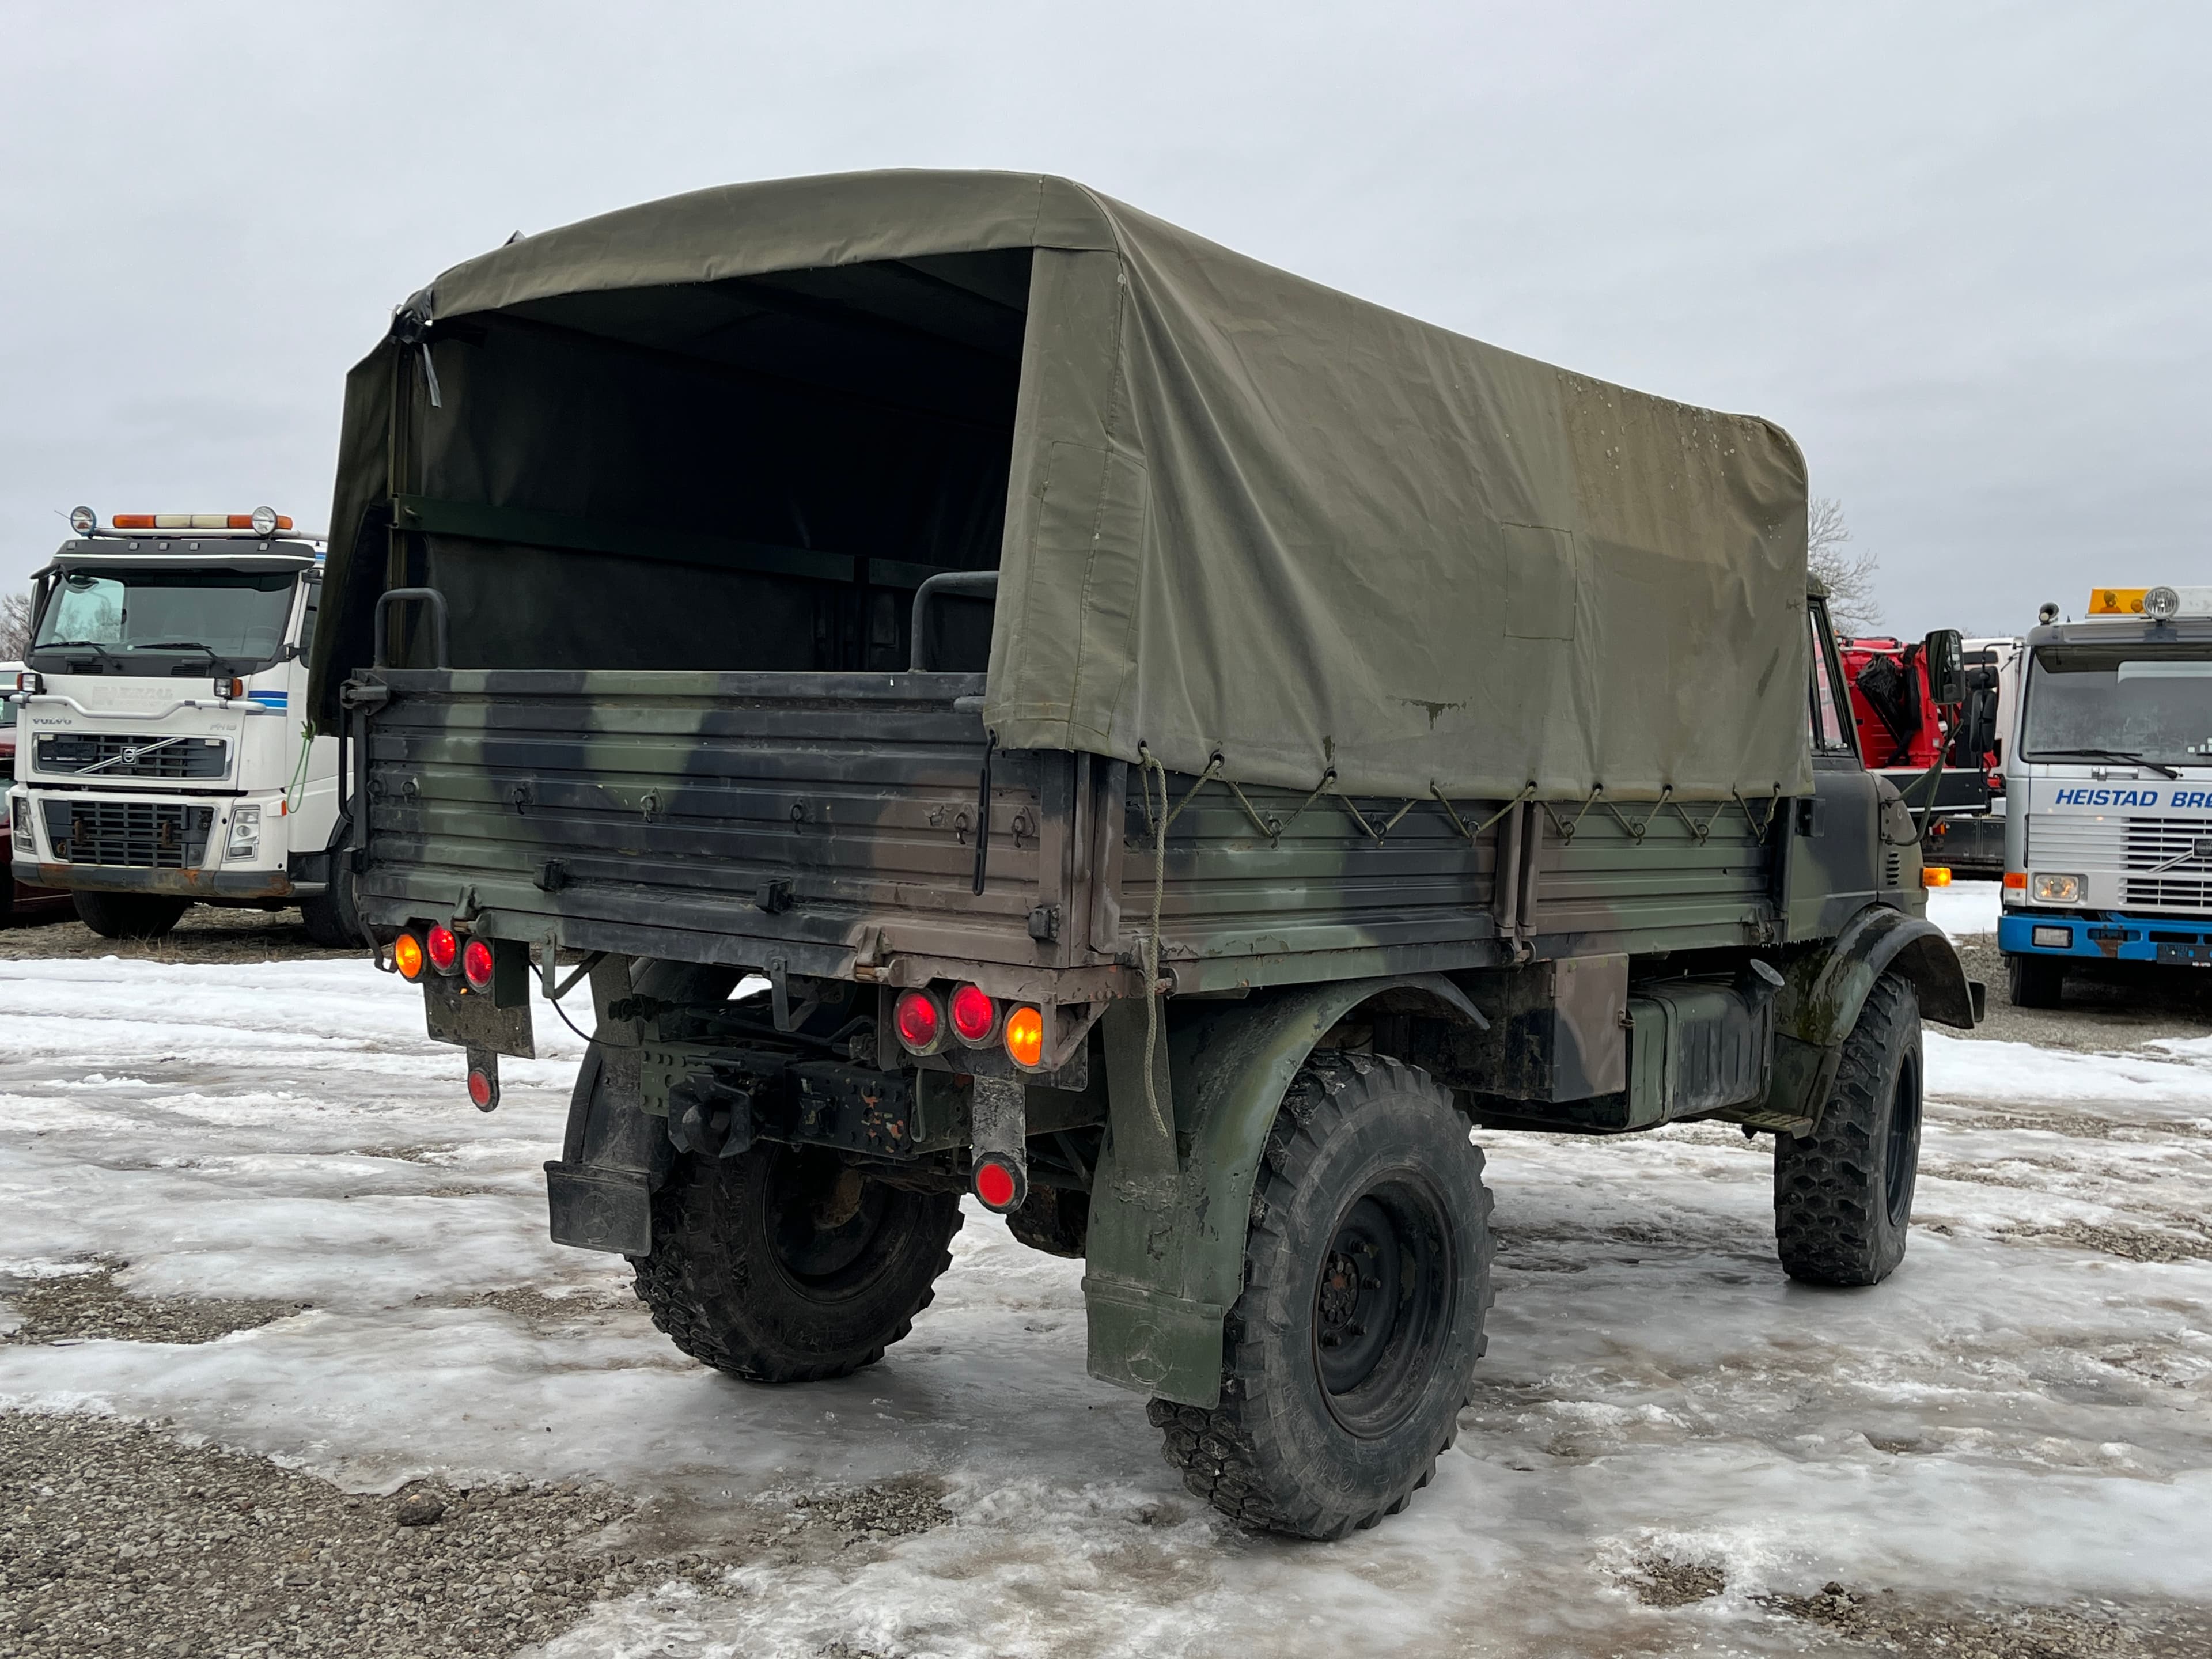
{"x": 2022, "y": 1415}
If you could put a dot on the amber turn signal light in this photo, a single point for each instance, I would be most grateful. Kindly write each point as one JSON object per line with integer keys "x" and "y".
{"x": 1025, "y": 1038}
{"x": 1935, "y": 875}
{"x": 407, "y": 957}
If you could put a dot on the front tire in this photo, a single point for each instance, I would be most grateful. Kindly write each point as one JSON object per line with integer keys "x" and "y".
{"x": 1842, "y": 1194}
{"x": 330, "y": 918}
{"x": 1352, "y": 1350}
{"x": 2036, "y": 981}
{"x": 128, "y": 915}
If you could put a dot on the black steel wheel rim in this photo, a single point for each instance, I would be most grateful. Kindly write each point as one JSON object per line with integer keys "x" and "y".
{"x": 1383, "y": 1303}
{"x": 1901, "y": 1155}
{"x": 822, "y": 1219}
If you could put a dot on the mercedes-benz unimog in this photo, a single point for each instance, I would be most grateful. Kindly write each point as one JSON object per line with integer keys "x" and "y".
{"x": 1000, "y": 698}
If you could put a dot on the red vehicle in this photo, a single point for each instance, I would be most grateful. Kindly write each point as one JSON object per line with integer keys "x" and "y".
{"x": 19, "y": 900}
{"x": 1900, "y": 729}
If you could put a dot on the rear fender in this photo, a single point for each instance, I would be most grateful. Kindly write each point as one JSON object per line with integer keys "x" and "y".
{"x": 1166, "y": 1245}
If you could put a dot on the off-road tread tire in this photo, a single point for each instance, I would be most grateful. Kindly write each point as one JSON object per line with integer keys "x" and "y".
{"x": 2035, "y": 981}
{"x": 128, "y": 915}
{"x": 329, "y": 917}
{"x": 1830, "y": 1214}
{"x": 1218, "y": 1451}
{"x": 693, "y": 1286}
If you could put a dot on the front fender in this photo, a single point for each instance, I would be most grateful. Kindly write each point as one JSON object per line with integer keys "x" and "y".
{"x": 1826, "y": 990}
{"x": 1166, "y": 1255}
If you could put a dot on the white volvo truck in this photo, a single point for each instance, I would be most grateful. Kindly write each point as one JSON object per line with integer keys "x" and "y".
{"x": 2108, "y": 791}
{"x": 162, "y": 755}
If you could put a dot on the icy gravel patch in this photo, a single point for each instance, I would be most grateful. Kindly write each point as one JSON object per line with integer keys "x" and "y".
{"x": 1667, "y": 1443}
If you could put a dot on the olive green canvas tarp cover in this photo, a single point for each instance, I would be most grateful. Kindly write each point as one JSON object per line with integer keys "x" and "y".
{"x": 1252, "y": 516}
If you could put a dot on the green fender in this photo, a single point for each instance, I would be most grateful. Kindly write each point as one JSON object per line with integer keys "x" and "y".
{"x": 1168, "y": 1218}
{"x": 1826, "y": 989}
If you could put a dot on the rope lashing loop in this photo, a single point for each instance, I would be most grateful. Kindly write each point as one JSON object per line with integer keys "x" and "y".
{"x": 1567, "y": 831}
{"x": 1344, "y": 801}
{"x": 1636, "y": 831}
{"x": 1148, "y": 768}
{"x": 1759, "y": 827}
{"x": 1459, "y": 824}
{"x": 1327, "y": 779}
{"x": 1268, "y": 824}
{"x": 1700, "y": 830}
{"x": 1391, "y": 823}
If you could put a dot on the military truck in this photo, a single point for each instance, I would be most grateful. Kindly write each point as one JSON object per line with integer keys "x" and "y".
{"x": 1000, "y": 698}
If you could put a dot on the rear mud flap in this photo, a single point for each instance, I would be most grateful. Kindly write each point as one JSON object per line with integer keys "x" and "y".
{"x": 596, "y": 1209}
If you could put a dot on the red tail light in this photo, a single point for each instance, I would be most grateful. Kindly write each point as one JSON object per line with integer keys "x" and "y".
{"x": 975, "y": 1016}
{"x": 919, "y": 1021}
{"x": 483, "y": 1088}
{"x": 477, "y": 964}
{"x": 999, "y": 1186}
{"x": 445, "y": 949}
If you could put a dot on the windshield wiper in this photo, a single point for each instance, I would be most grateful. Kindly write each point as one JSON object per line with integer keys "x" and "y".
{"x": 2121, "y": 754}
{"x": 73, "y": 644}
{"x": 178, "y": 645}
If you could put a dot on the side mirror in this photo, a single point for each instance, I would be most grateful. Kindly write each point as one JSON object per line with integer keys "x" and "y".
{"x": 1943, "y": 659}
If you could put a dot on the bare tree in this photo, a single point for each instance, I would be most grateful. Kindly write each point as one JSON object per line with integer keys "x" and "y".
{"x": 15, "y": 627}
{"x": 1847, "y": 574}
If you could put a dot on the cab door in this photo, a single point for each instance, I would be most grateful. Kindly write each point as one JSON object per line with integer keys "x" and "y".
{"x": 1832, "y": 845}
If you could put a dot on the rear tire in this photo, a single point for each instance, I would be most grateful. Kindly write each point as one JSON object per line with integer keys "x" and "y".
{"x": 1349, "y": 1354}
{"x": 128, "y": 915}
{"x": 2037, "y": 981}
{"x": 787, "y": 1265}
{"x": 1842, "y": 1194}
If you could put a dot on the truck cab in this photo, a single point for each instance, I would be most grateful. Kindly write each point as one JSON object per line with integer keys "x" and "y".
{"x": 2108, "y": 778}
{"x": 161, "y": 757}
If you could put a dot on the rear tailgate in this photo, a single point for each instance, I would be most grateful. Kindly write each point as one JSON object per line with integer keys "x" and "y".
{"x": 742, "y": 817}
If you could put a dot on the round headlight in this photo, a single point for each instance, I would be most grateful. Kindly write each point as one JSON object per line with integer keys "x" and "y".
{"x": 83, "y": 520}
{"x": 2162, "y": 604}
{"x": 265, "y": 521}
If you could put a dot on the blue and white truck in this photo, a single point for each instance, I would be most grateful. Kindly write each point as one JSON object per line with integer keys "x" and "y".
{"x": 163, "y": 759}
{"x": 2108, "y": 786}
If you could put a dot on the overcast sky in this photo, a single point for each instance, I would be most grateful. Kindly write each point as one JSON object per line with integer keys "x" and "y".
{"x": 1959, "y": 251}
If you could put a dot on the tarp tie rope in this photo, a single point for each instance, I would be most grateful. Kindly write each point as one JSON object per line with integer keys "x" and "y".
{"x": 1149, "y": 766}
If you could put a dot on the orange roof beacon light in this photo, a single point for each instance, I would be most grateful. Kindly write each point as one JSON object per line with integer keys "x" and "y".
{"x": 262, "y": 521}
{"x": 1025, "y": 1038}
{"x": 407, "y": 957}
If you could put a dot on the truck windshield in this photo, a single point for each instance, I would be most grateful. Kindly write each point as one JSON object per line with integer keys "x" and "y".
{"x": 2148, "y": 702}
{"x": 226, "y": 615}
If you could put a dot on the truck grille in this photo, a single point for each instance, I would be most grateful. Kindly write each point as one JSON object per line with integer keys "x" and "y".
{"x": 128, "y": 755}
{"x": 2179, "y": 892}
{"x": 2184, "y": 844}
{"x": 140, "y": 835}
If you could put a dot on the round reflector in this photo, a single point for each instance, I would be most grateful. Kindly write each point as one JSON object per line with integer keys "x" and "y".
{"x": 921, "y": 1026}
{"x": 1025, "y": 1038}
{"x": 477, "y": 964}
{"x": 445, "y": 949}
{"x": 974, "y": 1014}
{"x": 407, "y": 956}
{"x": 994, "y": 1185}
{"x": 483, "y": 1093}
